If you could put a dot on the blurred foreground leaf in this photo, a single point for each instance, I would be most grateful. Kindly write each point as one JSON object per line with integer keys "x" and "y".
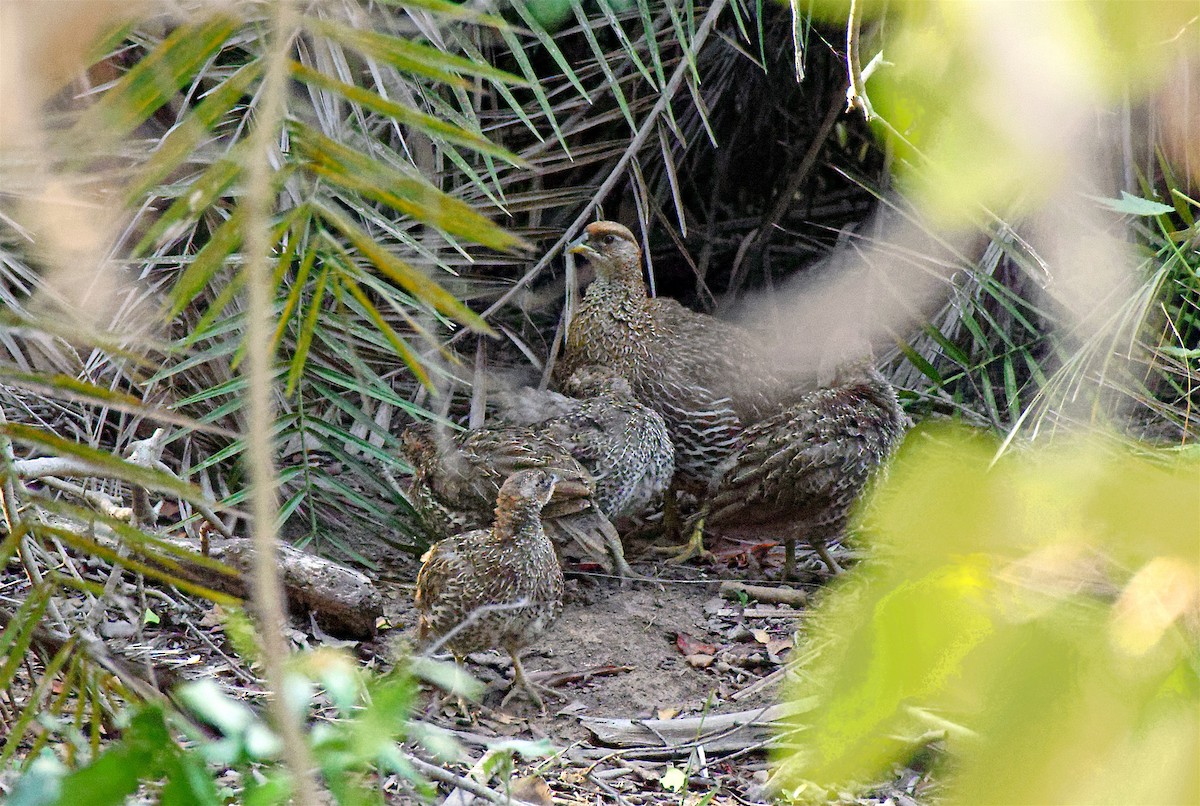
{"x": 1039, "y": 612}
{"x": 973, "y": 95}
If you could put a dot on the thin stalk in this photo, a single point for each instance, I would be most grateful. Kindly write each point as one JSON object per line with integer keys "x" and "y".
{"x": 260, "y": 327}
{"x": 857, "y": 94}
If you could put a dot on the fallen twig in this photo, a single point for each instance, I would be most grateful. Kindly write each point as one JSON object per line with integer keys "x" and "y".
{"x": 719, "y": 733}
{"x": 556, "y": 679}
{"x": 460, "y": 782}
{"x": 731, "y": 589}
{"x": 758, "y": 685}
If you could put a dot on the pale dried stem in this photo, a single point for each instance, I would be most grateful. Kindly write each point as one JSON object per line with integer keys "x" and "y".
{"x": 857, "y": 95}
{"x": 11, "y": 506}
{"x": 267, "y": 588}
{"x": 466, "y": 784}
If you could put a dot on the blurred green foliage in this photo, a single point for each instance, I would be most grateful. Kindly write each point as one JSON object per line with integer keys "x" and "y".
{"x": 966, "y": 89}
{"x": 218, "y": 749}
{"x": 1038, "y": 611}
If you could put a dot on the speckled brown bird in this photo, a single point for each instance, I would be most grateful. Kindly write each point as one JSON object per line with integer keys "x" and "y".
{"x": 703, "y": 375}
{"x": 457, "y": 475}
{"x": 500, "y": 587}
{"x": 622, "y": 443}
{"x": 801, "y": 470}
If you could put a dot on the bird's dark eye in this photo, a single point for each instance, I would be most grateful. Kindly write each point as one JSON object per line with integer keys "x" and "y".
{"x": 610, "y": 238}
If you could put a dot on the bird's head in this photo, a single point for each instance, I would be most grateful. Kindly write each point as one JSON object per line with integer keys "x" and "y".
{"x": 418, "y": 446}
{"x": 536, "y": 485}
{"x": 595, "y": 379}
{"x": 611, "y": 249}
{"x": 856, "y": 370}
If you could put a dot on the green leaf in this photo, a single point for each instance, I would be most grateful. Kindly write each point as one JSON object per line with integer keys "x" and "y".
{"x": 449, "y": 677}
{"x": 92, "y": 547}
{"x": 601, "y": 61}
{"x": 410, "y": 359}
{"x": 200, "y": 195}
{"x": 1134, "y": 205}
{"x": 445, "y": 8}
{"x": 411, "y": 279}
{"x": 410, "y": 57}
{"x": 308, "y": 324}
{"x": 627, "y": 46}
{"x": 68, "y": 386}
{"x": 209, "y": 702}
{"x": 410, "y": 195}
{"x": 41, "y": 783}
{"x": 222, "y": 243}
{"x": 17, "y": 636}
{"x": 673, "y": 780}
{"x": 183, "y": 140}
{"x": 188, "y": 782}
{"x": 927, "y": 369}
{"x": 102, "y": 461}
{"x": 119, "y": 771}
{"x": 155, "y": 79}
{"x": 407, "y": 116}
{"x": 1179, "y": 352}
{"x": 982, "y": 623}
{"x": 547, "y": 41}
{"x": 535, "y": 86}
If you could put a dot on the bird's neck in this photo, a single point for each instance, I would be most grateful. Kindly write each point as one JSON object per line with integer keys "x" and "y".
{"x": 870, "y": 384}
{"x": 518, "y": 521}
{"x": 620, "y": 298}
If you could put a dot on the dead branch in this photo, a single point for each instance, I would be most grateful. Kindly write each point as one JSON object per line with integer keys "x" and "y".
{"x": 718, "y": 733}
{"x": 345, "y": 602}
{"x": 731, "y": 589}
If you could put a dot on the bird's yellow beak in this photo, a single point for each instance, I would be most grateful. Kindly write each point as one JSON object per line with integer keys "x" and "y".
{"x": 580, "y": 246}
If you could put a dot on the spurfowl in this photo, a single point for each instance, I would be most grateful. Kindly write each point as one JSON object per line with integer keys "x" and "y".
{"x": 500, "y": 587}
{"x": 703, "y": 375}
{"x": 456, "y": 477}
{"x": 622, "y": 443}
{"x": 802, "y": 469}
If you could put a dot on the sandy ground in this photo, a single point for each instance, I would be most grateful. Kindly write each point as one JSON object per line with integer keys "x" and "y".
{"x": 669, "y": 648}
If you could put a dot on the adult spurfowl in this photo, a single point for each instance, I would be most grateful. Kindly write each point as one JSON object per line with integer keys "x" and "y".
{"x": 801, "y": 470}
{"x": 703, "y": 375}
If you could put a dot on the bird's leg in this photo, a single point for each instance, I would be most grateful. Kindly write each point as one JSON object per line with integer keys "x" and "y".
{"x": 440, "y": 699}
{"x": 616, "y": 551}
{"x": 531, "y": 688}
{"x": 693, "y": 548}
{"x": 818, "y": 545}
{"x": 672, "y": 525}
{"x": 789, "y": 558}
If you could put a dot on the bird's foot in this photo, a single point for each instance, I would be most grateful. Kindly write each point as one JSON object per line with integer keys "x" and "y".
{"x": 533, "y": 690}
{"x": 616, "y": 554}
{"x": 626, "y": 573}
{"x": 439, "y": 702}
{"x": 827, "y": 558}
{"x": 694, "y": 548}
{"x": 789, "y": 561}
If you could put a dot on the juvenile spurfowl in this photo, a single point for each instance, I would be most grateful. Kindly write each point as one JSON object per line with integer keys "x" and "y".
{"x": 500, "y": 587}
{"x": 704, "y": 376}
{"x": 622, "y": 443}
{"x": 456, "y": 477}
{"x": 802, "y": 469}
